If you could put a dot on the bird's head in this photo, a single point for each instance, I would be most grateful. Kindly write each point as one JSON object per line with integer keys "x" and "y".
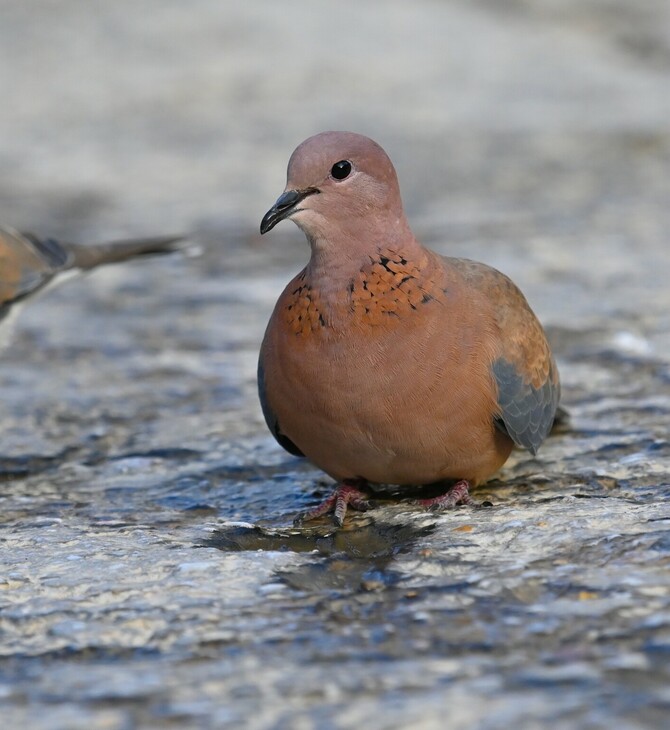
{"x": 339, "y": 184}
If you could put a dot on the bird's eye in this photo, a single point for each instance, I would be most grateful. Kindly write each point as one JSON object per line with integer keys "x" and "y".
{"x": 341, "y": 169}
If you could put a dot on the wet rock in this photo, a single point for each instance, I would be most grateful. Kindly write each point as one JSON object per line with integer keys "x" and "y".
{"x": 149, "y": 573}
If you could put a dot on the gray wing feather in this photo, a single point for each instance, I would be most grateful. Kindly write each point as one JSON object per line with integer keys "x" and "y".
{"x": 527, "y": 413}
{"x": 53, "y": 253}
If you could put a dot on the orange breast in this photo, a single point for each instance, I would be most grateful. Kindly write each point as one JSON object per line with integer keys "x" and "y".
{"x": 388, "y": 381}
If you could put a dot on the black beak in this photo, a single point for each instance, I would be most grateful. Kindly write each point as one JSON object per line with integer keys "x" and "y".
{"x": 285, "y": 205}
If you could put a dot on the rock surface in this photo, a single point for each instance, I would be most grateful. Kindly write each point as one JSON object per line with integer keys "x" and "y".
{"x": 149, "y": 577}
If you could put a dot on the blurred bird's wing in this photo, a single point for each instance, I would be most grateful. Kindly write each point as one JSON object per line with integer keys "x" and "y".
{"x": 28, "y": 263}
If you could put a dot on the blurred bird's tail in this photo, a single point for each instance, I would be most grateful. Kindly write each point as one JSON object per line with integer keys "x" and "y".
{"x": 88, "y": 257}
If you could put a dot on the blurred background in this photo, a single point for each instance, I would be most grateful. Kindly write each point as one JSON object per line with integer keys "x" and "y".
{"x": 533, "y": 135}
{"x": 157, "y": 114}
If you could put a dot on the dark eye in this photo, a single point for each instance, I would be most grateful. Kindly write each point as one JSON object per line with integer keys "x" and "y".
{"x": 341, "y": 169}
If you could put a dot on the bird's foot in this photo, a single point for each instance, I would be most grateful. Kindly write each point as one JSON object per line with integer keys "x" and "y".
{"x": 346, "y": 494}
{"x": 458, "y": 494}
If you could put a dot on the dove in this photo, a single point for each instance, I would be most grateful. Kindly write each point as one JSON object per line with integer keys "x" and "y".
{"x": 29, "y": 264}
{"x": 384, "y": 363}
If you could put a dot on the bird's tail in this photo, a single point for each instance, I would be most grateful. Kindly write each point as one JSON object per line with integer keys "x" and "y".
{"x": 88, "y": 257}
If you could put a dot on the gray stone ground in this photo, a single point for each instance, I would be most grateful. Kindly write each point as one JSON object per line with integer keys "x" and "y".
{"x": 534, "y": 136}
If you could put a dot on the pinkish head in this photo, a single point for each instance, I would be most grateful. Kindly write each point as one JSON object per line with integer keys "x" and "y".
{"x": 339, "y": 183}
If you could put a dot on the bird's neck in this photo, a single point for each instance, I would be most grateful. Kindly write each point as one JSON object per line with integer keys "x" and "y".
{"x": 347, "y": 280}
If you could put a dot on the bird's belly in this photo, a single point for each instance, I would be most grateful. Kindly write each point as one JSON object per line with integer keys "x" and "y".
{"x": 388, "y": 420}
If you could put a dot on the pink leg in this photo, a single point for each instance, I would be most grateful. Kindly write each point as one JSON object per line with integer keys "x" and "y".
{"x": 458, "y": 494}
{"x": 346, "y": 494}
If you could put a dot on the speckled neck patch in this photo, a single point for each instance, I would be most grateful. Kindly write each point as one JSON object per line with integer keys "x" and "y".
{"x": 303, "y": 309}
{"x": 384, "y": 288}
{"x": 389, "y": 285}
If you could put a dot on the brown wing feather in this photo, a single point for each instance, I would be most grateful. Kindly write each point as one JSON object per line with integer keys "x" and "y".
{"x": 269, "y": 415}
{"x": 524, "y": 369}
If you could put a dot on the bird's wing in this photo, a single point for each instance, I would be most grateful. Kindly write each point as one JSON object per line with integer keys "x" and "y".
{"x": 27, "y": 263}
{"x": 523, "y": 367}
{"x": 270, "y": 417}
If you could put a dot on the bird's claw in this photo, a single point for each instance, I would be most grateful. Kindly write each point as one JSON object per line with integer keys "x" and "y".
{"x": 455, "y": 496}
{"x": 347, "y": 494}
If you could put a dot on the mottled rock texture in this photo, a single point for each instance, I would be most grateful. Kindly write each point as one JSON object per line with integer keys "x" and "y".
{"x": 531, "y": 136}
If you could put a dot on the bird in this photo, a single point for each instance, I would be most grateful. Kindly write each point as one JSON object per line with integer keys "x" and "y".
{"x": 31, "y": 264}
{"x": 384, "y": 363}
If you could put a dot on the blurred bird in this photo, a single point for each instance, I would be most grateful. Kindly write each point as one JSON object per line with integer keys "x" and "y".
{"x": 29, "y": 265}
{"x": 384, "y": 362}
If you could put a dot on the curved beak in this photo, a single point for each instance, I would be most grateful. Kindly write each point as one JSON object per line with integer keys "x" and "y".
{"x": 284, "y": 207}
